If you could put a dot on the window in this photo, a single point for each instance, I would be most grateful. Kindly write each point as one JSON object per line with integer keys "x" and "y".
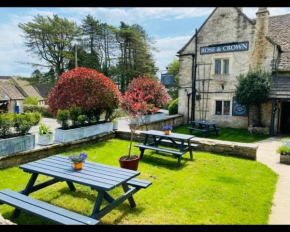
{"x": 218, "y": 108}
{"x": 221, "y": 66}
{"x": 222, "y": 108}
{"x": 226, "y": 107}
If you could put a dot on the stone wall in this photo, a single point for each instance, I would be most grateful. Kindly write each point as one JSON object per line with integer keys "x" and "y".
{"x": 226, "y": 25}
{"x": 43, "y": 152}
{"x": 244, "y": 150}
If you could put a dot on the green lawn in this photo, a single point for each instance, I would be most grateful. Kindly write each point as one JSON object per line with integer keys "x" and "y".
{"x": 227, "y": 134}
{"x": 211, "y": 189}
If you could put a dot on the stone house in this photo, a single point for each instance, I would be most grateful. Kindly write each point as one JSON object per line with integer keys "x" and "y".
{"x": 228, "y": 44}
{"x": 9, "y": 97}
{"x": 27, "y": 90}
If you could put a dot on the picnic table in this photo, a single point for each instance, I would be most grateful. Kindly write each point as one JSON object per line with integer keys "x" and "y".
{"x": 180, "y": 141}
{"x": 99, "y": 177}
{"x": 204, "y": 126}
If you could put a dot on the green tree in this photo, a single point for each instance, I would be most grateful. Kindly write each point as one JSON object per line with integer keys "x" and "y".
{"x": 253, "y": 89}
{"x": 51, "y": 39}
{"x": 173, "y": 68}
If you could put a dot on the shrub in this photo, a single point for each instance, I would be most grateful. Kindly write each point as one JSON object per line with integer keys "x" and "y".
{"x": 75, "y": 112}
{"x": 62, "y": 117}
{"x": 35, "y": 117}
{"x": 82, "y": 119}
{"x": 173, "y": 107}
{"x": 6, "y": 122}
{"x": 31, "y": 101}
{"x": 85, "y": 88}
{"x": 154, "y": 92}
{"x": 283, "y": 150}
{"x": 23, "y": 123}
{"x": 44, "y": 110}
{"x": 45, "y": 130}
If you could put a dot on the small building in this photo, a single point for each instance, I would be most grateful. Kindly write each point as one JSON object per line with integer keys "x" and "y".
{"x": 43, "y": 90}
{"x": 10, "y": 97}
{"x": 229, "y": 44}
{"x": 27, "y": 90}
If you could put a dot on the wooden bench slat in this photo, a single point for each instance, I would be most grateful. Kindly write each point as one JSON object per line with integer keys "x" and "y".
{"x": 178, "y": 142}
{"x": 89, "y": 168}
{"x": 159, "y": 149}
{"x": 51, "y": 208}
{"x": 139, "y": 183}
{"x": 72, "y": 172}
{"x": 116, "y": 169}
{"x": 197, "y": 129}
{"x": 67, "y": 177}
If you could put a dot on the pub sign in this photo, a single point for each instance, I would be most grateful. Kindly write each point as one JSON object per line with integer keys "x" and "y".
{"x": 232, "y": 47}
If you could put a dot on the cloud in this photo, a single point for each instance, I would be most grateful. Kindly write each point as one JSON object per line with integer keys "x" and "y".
{"x": 138, "y": 15}
{"x": 168, "y": 48}
{"x": 251, "y": 11}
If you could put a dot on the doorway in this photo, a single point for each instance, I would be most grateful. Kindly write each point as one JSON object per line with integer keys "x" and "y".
{"x": 285, "y": 118}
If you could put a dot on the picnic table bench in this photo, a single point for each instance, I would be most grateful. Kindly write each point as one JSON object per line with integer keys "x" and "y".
{"x": 204, "y": 126}
{"x": 180, "y": 141}
{"x": 99, "y": 177}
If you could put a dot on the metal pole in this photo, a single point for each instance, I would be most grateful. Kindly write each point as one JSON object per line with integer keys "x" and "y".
{"x": 76, "y": 55}
{"x": 194, "y": 57}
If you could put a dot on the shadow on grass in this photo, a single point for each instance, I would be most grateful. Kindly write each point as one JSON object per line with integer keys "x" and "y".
{"x": 156, "y": 159}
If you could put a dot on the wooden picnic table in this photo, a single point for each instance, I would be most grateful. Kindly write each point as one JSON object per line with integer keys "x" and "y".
{"x": 204, "y": 126}
{"x": 99, "y": 177}
{"x": 180, "y": 141}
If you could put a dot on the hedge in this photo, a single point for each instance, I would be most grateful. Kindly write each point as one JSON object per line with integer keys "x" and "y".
{"x": 44, "y": 110}
{"x": 173, "y": 107}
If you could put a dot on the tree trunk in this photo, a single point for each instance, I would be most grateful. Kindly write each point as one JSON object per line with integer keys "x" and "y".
{"x": 129, "y": 155}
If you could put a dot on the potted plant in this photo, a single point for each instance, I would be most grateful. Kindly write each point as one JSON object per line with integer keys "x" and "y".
{"x": 45, "y": 135}
{"x": 135, "y": 107}
{"x": 114, "y": 119}
{"x": 167, "y": 129}
{"x": 284, "y": 151}
{"x": 78, "y": 160}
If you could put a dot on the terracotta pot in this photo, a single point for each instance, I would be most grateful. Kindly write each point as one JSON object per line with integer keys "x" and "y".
{"x": 129, "y": 164}
{"x": 78, "y": 166}
{"x": 167, "y": 132}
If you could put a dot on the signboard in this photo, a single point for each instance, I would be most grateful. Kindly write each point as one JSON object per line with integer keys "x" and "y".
{"x": 239, "y": 110}
{"x": 167, "y": 79}
{"x": 232, "y": 47}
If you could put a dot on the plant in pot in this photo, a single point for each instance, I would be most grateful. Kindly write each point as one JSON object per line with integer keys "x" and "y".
{"x": 167, "y": 129}
{"x": 114, "y": 118}
{"x": 45, "y": 135}
{"x": 135, "y": 107}
{"x": 78, "y": 160}
{"x": 284, "y": 151}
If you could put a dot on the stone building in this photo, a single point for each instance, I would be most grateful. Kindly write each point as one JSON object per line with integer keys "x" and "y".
{"x": 228, "y": 44}
{"x": 9, "y": 97}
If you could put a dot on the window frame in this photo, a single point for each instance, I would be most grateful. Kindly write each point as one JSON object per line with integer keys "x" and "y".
{"x": 222, "y": 65}
{"x": 222, "y": 107}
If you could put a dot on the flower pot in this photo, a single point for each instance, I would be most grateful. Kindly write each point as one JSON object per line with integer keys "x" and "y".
{"x": 78, "y": 166}
{"x": 131, "y": 164}
{"x": 45, "y": 139}
{"x": 115, "y": 125}
{"x": 167, "y": 132}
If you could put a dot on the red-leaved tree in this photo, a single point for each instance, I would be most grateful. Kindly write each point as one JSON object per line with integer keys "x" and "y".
{"x": 154, "y": 92}
{"x": 85, "y": 88}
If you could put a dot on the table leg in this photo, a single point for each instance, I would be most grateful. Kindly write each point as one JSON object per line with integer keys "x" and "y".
{"x": 190, "y": 149}
{"x": 98, "y": 204}
{"x": 142, "y": 149}
{"x": 131, "y": 199}
{"x": 178, "y": 161}
{"x": 26, "y": 192}
{"x": 216, "y": 131}
{"x": 71, "y": 186}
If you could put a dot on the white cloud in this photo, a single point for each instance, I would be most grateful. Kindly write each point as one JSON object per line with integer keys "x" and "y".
{"x": 168, "y": 48}
{"x": 138, "y": 15}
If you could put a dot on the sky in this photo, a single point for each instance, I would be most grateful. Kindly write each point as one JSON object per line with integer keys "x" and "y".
{"x": 170, "y": 27}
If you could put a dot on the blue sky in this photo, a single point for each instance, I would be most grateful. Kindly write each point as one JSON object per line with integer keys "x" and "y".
{"x": 171, "y": 28}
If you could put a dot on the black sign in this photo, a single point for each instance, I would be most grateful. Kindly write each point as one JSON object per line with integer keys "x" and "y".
{"x": 239, "y": 110}
{"x": 233, "y": 47}
{"x": 167, "y": 79}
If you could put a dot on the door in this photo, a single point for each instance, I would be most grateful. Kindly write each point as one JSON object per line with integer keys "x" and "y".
{"x": 285, "y": 118}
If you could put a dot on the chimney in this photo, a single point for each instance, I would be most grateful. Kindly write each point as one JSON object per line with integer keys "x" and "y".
{"x": 263, "y": 20}
{"x": 240, "y": 8}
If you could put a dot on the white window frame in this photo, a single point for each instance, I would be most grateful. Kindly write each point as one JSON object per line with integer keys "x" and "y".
{"x": 222, "y": 65}
{"x": 222, "y": 113}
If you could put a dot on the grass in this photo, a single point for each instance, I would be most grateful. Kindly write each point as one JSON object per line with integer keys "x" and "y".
{"x": 211, "y": 189}
{"x": 226, "y": 134}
